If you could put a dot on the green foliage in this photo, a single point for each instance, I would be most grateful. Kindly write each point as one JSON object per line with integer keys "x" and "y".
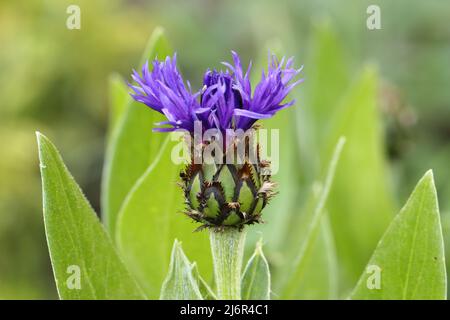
{"x": 304, "y": 254}
{"x": 64, "y": 72}
{"x": 286, "y": 216}
{"x": 410, "y": 256}
{"x": 151, "y": 219}
{"x": 142, "y": 204}
{"x": 361, "y": 204}
{"x": 180, "y": 283}
{"x": 320, "y": 268}
{"x": 326, "y": 69}
{"x": 256, "y": 278}
{"x": 321, "y": 228}
{"x": 118, "y": 99}
{"x": 85, "y": 263}
{"x": 205, "y": 289}
{"x": 132, "y": 145}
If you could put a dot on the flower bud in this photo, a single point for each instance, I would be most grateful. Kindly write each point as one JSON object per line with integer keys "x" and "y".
{"x": 225, "y": 194}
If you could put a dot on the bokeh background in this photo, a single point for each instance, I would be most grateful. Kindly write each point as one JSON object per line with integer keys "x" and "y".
{"x": 55, "y": 80}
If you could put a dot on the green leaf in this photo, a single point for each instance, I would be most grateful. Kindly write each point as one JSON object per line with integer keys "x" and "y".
{"x": 321, "y": 273}
{"x": 132, "y": 145}
{"x": 205, "y": 289}
{"x": 446, "y": 232}
{"x": 409, "y": 262}
{"x": 256, "y": 278}
{"x": 119, "y": 99}
{"x": 326, "y": 68}
{"x": 326, "y": 78}
{"x": 85, "y": 263}
{"x": 360, "y": 205}
{"x": 180, "y": 283}
{"x": 150, "y": 220}
{"x": 320, "y": 280}
{"x": 305, "y": 252}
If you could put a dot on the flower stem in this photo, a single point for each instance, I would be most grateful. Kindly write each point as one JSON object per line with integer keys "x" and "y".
{"x": 227, "y": 251}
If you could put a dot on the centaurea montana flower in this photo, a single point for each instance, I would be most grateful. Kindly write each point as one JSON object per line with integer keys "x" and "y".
{"x": 224, "y": 102}
{"x": 221, "y": 194}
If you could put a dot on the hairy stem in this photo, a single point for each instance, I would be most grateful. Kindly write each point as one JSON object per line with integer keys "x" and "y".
{"x": 227, "y": 251}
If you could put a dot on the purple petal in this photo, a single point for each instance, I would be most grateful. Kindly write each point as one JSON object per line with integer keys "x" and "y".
{"x": 251, "y": 114}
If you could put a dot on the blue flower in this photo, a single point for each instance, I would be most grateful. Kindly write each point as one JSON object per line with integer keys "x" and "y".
{"x": 225, "y": 101}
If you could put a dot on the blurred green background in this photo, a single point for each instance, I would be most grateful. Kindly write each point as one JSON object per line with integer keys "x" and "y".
{"x": 55, "y": 80}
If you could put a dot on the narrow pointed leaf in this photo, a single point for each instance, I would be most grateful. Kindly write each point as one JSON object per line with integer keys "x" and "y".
{"x": 119, "y": 98}
{"x": 361, "y": 204}
{"x": 446, "y": 232}
{"x": 150, "y": 220}
{"x": 305, "y": 251}
{"x": 84, "y": 261}
{"x": 205, "y": 289}
{"x": 320, "y": 280}
{"x": 180, "y": 283}
{"x": 256, "y": 279}
{"x": 132, "y": 145}
{"x": 325, "y": 67}
{"x": 321, "y": 270}
{"x": 409, "y": 262}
